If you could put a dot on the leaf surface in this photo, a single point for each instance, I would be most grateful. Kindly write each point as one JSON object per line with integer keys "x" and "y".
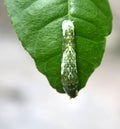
{"x": 38, "y": 24}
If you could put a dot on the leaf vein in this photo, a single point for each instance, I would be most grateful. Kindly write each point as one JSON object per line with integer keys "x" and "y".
{"x": 98, "y": 8}
{"x": 86, "y": 38}
{"x": 84, "y": 20}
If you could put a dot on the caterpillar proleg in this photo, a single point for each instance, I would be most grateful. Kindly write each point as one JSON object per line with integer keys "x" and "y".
{"x": 69, "y": 75}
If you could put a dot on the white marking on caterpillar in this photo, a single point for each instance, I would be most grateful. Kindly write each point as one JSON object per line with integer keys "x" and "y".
{"x": 69, "y": 76}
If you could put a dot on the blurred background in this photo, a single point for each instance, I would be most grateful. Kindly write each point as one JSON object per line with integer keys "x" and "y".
{"x": 27, "y": 101}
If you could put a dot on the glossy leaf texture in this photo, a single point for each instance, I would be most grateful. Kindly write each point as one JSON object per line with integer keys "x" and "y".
{"x": 38, "y": 24}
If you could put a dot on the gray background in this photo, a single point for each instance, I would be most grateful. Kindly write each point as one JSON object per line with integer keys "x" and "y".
{"x": 28, "y": 102}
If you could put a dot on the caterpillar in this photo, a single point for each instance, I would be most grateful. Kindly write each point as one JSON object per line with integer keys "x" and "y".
{"x": 69, "y": 74}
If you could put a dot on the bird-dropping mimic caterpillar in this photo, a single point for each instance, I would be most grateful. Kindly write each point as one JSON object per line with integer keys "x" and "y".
{"x": 69, "y": 76}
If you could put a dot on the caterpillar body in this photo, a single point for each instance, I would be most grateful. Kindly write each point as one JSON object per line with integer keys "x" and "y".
{"x": 69, "y": 75}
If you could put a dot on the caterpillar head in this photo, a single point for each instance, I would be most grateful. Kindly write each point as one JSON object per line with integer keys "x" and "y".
{"x": 67, "y": 26}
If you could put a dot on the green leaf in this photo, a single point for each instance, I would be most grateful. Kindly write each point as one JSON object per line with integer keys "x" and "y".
{"x": 38, "y": 26}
